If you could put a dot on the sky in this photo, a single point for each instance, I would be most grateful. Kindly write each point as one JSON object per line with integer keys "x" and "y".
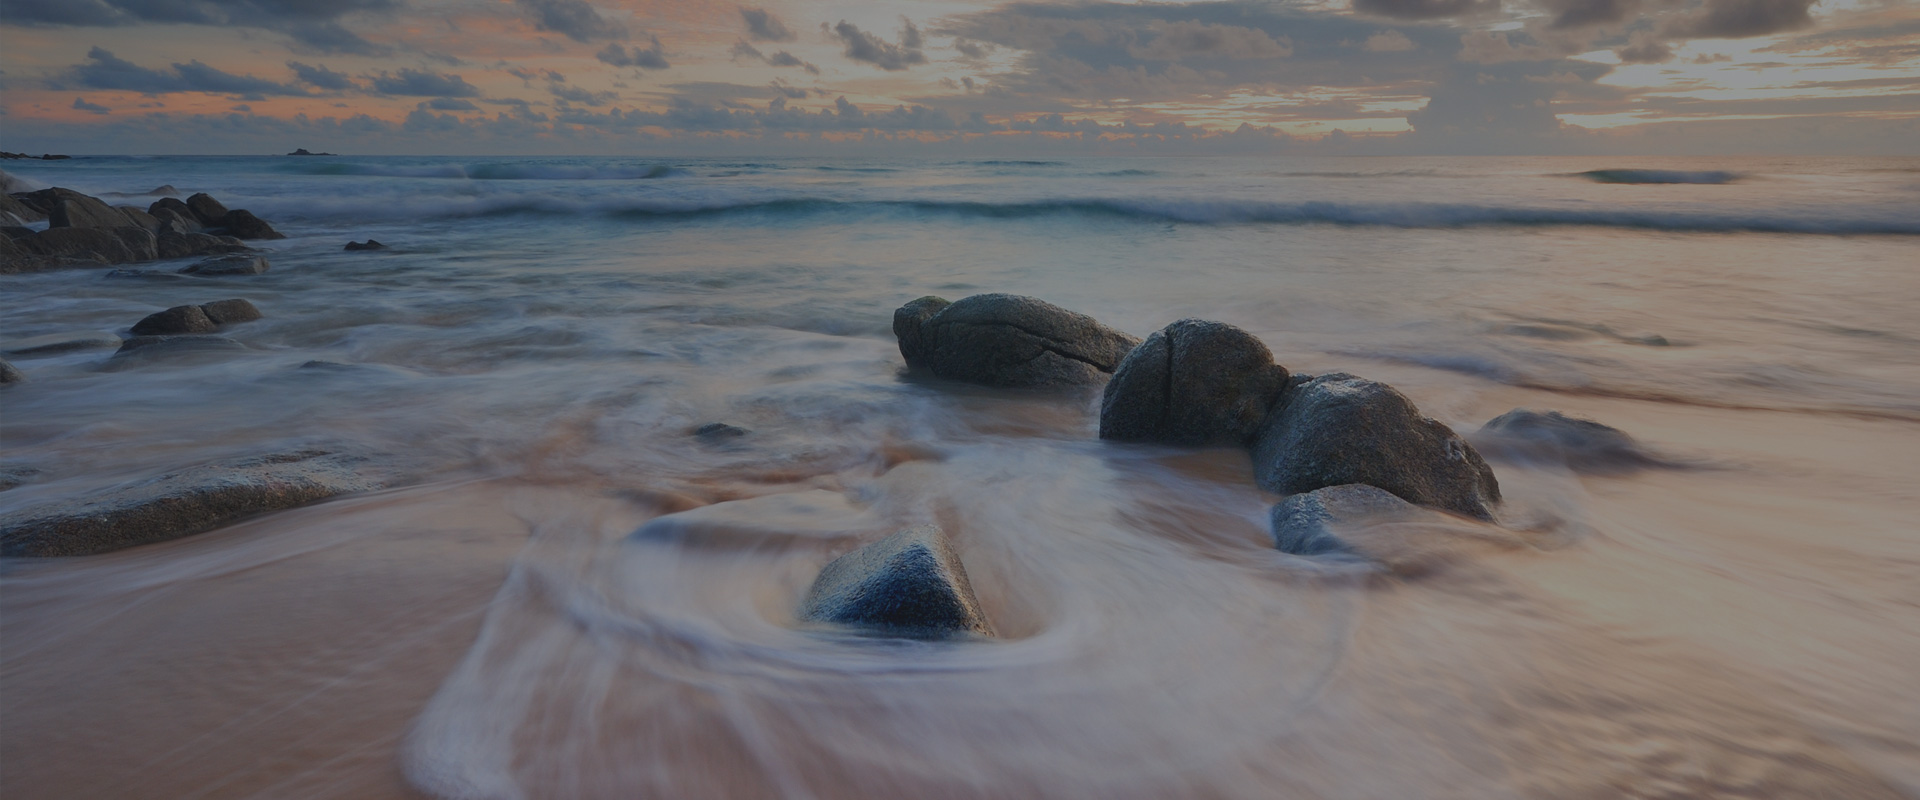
{"x": 1680, "y": 77}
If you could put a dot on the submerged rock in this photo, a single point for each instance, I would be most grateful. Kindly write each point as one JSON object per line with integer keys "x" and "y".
{"x": 1308, "y": 524}
{"x": 238, "y": 264}
{"x": 228, "y": 312}
{"x": 57, "y": 343}
{"x": 175, "y": 320}
{"x": 720, "y": 431}
{"x": 181, "y": 503}
{"x": 10, "y": 374}
{"x": 1338, "y": 429}
{"x": 910, "y": 584}
{"x": 142, "y": 349}
{"x": 1581, "y": 444}
{"x": 1192, "y": 383}
{"x": 368, "y": 245}
{"x": 1008, "y": 340}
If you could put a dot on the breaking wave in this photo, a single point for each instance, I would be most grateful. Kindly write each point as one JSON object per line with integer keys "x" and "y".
{"x": 1657, "y": 176}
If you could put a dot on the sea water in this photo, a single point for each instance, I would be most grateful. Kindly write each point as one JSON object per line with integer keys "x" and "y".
{"x": 540, "y": 339}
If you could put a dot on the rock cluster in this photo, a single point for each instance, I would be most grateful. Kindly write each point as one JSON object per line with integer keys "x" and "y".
{"x": 83, "y": 230}
{"x": 1008, "y": 341}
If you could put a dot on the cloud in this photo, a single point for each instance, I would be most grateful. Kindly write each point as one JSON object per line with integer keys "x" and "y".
{"x": 1424, "y": 9}
{"x": 320, "y": 77}
{"x": 1575, "y": 14}
{"x": 1644, "y": 48}
{"x": 585, "y": 97}
{"x": 330, "y": 37}
{"x": 423, "y": 83}
{"x": 652, "y": 57}
{"x": 449, "y": 104}
{"x": 574, "y": 19}
{"x": 108, "y": 71}
{"x": 786, "y": 59}
{"x": 1174, "y": 41}
{"x": 82, "y": 104}
{"x": 311, "y": 23}
{"x": 871, "y": 49}
{"x": 765, "y": 27}
{"x": 1388, "y": 42}
{"x": 972, "y": 50}
{"x": 1738, "y": 19}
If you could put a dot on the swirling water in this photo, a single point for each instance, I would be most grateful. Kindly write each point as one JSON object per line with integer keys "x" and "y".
{"x": 544, "y": 334}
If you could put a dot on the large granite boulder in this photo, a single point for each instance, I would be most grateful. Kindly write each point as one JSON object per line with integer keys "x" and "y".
{"x": 180, "y": 503}
{"x": 1192, "y": 383}
{"x": 1008, "y": 340}
{"x": 242, "y": 224}
{"x": 175, "y": 320}
{"x": 1583, "y": 445}
{"x": 238, "y": 264}
{"x": 206, "y": 209}
{"x": 1338, "y": 429}
{"x": 910, "y": 584}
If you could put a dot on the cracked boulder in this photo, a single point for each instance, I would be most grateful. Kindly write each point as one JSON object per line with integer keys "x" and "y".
{"x": 1008, "y": 340}
{"x": 910, "y": 584}
{"x": 1338, "y": 429}
{"x": 181, "y": 503}
{"x": 1192, "y": 383}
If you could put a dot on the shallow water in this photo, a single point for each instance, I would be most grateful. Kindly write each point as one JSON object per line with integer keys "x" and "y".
{"x": 544, "y": 334}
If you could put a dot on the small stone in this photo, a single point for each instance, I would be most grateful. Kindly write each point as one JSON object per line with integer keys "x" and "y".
{"x": 910, "y": 584}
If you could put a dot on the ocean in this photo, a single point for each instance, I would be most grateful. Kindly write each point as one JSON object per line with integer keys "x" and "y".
{"x": 542, "y": 336}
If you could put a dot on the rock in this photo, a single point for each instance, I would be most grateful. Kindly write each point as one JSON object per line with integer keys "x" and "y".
{"x": 1192, "y": 383}
{"x": 15, "y": 258}
{"x": 187, "y": 245}
{"x": 1009, "y": 340}
{"x": 14, "y": 212}
{"x": 11, "y": 477}
{"x": 139, "y": 219}
{"x": 242, "y": 224}
{"x": 83, "y": 245}
{"x": 66, "y": 208}
{"x": 228, "y": 312}
{"x": 717, "y": 431}
{"x": 368, "y": 245}
{"x": 176, "y": 504}
{"x": 170, "y": 209}
{"x": 56, "y": 343}
{"x": 909, "y": 584}
{"x": 139, "y": 241}
{"x": 168, "y": 345}
{"x": 1583, "y": 445}
{"x": 206, "y": 209}
{"x": 228, "y": 265}
{"x": 16, "y": 231}
{"x": 1308, "y": 524}
{"x": 13, "y": 184}
{"x": 10, "y": 373}
{"x": 165, "y": 190}
{"x": 1338, "y": 429}
{"x": 175, "y": 320}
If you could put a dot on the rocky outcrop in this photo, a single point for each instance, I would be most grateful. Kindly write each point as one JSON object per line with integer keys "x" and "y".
{"x": 910, "y": 584}
{"x": 187, "y": 245}
{"x": 242, "y": 224}
{"x": 181, "y": 503}
{"x": 66, "y": 208}
{"x": 206, "y": 209}
{"x": 1008, "y": 340}
{"x": 56, "y": 247}
{"x": 176, "y": 320}
{"x": 139, "y": 219}
{"x": 1192, "y": 383}
{"x": 1582, "y": 445}
{"x": 10, "y": 374}
{"x": 238, "y": 264}
{"x": 1338, "y": 429}
{"x": 229, "y": 312}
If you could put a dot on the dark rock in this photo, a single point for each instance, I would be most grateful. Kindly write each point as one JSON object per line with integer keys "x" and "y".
{"x": 178, "y": 319}
{"x": 907, "y": 321}
{"x": 82, "y": 245}
{"x": 242, "y": 224}
{"x": 1009, "y": 340}
{"x": 66, "y": 208}
{"x": 303, "y": 152}
{"x": 169, "y": 209}
{"x": 14, "y": 212}
{"x": 139, "y": 241}
{"x": 1338, "y": 429}
{"x": 1308, "y": 524}
{"x": 10, "y": 373}
{"x": 228, "y": 312}
{"x": 178, "y": 504}
{"x": 1583, "y": 445}
{"x": 11, "y": 477}
{"x": 241, "y": 264}
{"x": 1192, "y": 383}
{"x": 187, "y": 245}
{"x": 909, "y": 584}
{"x": 139, "y": 218}
{"x": 715, "y": 431}
{"x": 206, "y": 209}
{"x": 368, "y": 245}
{"x": 56, "y": 343}
{"x": 16, "y": 231}
{"x": 17, "y": 258}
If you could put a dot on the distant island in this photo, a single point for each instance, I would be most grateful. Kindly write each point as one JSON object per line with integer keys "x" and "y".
{"x": 46, "y": 157}
{"x": 303, "y": 152}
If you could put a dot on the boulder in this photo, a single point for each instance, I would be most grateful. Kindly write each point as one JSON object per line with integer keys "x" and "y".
{"x": 180, "y": 503}
{"x": 66, "y": 208}
{"x": 239, "y": 264}
{"x": 1309, "y": 524}
{"x": 171, "y": 209}
{"x": 175, "y": 320}
{"x": 139, "y": 241}
{"x": 228, "y": 312}
{"x": 910, "y": 584}
{"x": 242, "y": 224}
{"x": 1008, "y": 340}
{"x": 84, "y": 245}
{"x": 367, "y": 245}
{"x": 187, "y": 245}
{"x": 1192, "y": 383}
{"x": 139, "y": 218}
{"x": 1581, "y": 444}
{"x": 11, "y": 232}
{"x": 206, "y": 209}
{"x": 16, "y": 258}
{"x": 1338, "y": 429}
{"x": 14, "y": 212}
{"x": 10, "y": 374}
